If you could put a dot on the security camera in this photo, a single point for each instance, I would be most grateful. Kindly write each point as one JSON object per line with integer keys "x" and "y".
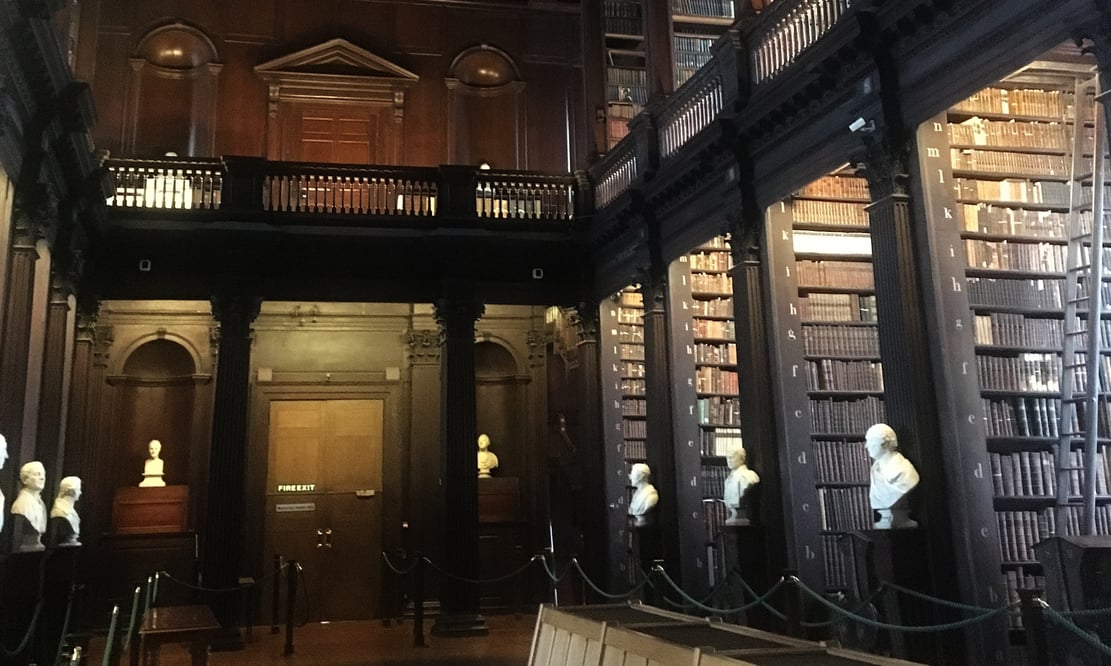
{"x": 861, "y": 125}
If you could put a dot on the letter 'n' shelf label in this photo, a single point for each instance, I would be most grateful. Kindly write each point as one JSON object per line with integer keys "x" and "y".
{"x": 296, "y": 487}
{"x": 292, "y": 508}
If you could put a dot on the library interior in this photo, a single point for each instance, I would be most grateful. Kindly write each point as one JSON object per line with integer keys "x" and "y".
{"x": 274, "y": 272}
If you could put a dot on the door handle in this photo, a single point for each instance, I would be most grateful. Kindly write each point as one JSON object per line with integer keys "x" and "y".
{"x": 320, "y": 538}
{"x": 328, "y": 537}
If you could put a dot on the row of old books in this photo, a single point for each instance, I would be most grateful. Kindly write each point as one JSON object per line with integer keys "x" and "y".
{"x": 1025, "y": 372}
{"x": 845, "y": 416}
{"x": 710, "y": 261}
{"x": 1021, "y": 416}
{"x": 719, "y": 441}
{"x": 633, "y": 407}
{"x": 1033, "y": 473}
{"x": 632, "y": 351}
{"x": 711, "y": 329}
{"x": 837, "y": 307}
{"x": 832, "y": 340}
{"x": 718, "y": 411}
{"x": 636, "y": 450}
{"x": 1020, "y": 102}
{"x": 845, "y": 509}
{"x": 1026, "y": 293}
{"x": 712, "y": 379}
{"x": 832, "y": 273}
{"x": 1009, "y": 329}
{"x": 714, "y": 307}
{"x": 632, "y": 368}
{"x": 837, "y": 187}
{"x": 633, "y": 386}
{"x": 634, "y": 429}
{"x": 820, "y": 211}
{"x": 1041, "y": 257}
{"x": 712, "y": 283}
{"x": 721, "y": 353}
{"x": 713, "y": 480}
{"x": 832, "y": 375}
{"x": 623, "y": 17}
{"x": 1013, "y": 190}
{"x": 710, "y": 8}
{"x": 841, "y": 461}
{"x": 1001, "y": 161}
{"x": 630, "y": 333}
{"x": 986, "y": 218}
{"x": 1009, "y": 134}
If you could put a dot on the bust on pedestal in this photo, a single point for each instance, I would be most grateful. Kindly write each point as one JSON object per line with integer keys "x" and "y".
{"x": 893, "y": 477}
{"x": 28, "y": 509}
{"x": 65, "y": 524}
{"x": 487, "y": 461}
{"x": 644, "y": 497}
{"x": 152, "y": 468}
{"x": 740, "y": 481}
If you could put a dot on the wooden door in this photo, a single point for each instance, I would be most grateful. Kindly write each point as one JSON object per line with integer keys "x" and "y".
{"x": 323, "y": 507}
{"x": 337, "y": 133}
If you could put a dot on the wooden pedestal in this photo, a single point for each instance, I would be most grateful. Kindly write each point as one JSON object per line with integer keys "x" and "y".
{"x": 162, "y": 510}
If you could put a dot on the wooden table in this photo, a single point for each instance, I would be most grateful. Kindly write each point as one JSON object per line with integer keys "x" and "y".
{"x": 177, "y": 624}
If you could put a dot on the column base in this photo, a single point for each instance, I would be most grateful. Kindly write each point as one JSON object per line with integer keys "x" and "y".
{"x": 455, "y": 625}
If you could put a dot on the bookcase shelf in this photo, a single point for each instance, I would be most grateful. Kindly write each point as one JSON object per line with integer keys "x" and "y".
{"x": 1011, "y": 164}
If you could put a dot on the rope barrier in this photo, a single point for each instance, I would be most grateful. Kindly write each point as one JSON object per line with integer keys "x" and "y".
{"x": 399, "y": 572}
{"x": 697, "y": 604}
{"x": 482, "y": 581}
{"x": 608, "y": 595}
{"x": 898, "y": 627}
{"x": 937, "y": 600}
{"x": 775, "y": 612}
{"x": 880, "y": 589}
{"x": 1085, "y": 636}
{"x": 1085, "y": 613}
{"x": 200, "y": 588}
{"x": 27, "y": 636}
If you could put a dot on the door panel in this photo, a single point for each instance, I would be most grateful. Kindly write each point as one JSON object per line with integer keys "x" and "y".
{"x": 336, "y": 133}
{"x": 321, "y": 453}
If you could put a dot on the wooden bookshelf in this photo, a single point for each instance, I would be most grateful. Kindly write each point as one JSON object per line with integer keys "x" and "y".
{"x": 841, "y": 361}
{"x": 624, "y": 389}
{"x": 1011, "y": 149}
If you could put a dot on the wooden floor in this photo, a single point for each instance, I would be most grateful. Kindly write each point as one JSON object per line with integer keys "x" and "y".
{"x": 369, "y": 644}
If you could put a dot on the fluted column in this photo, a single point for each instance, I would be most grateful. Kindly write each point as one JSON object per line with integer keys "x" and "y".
{"x": 223, "y": 526}
{"x": 56, "y": 370}
{"x": 35, "y": 210}
{"x": 457, "y": 313}
{"x": 592, "y": 440}
{"x": 82, "y": 449}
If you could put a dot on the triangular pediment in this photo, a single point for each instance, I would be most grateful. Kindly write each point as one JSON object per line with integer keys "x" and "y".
{"x": 335, "y": 57}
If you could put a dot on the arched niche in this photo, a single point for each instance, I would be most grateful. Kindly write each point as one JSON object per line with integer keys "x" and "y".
{"x": 157, "y": 397}
{"x": 172, "y": 93}
{"x": 499, "y": 400}
{"x": 487, "y": 110}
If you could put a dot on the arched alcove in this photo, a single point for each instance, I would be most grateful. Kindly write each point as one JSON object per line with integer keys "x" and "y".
{"x": 172, "y": 93}
{"x": 157, "y": 399}
{"x": 498, "y": 402}
{"x": 487, "y": 108}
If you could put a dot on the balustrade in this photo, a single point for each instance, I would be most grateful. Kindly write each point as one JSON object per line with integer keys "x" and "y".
{"x": 789, "y": 28}
{"x": 523, "y": 197}
{"x": 168, "y": 184}
{"x": 339, "y": 191}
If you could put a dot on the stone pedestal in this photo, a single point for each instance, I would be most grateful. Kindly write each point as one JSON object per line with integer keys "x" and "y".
{"x": 744, "y": 557}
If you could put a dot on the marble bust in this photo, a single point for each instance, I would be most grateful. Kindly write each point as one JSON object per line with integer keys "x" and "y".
{"x": 153, "y": 467}
{"x": 65, "y": 524}
{"x": 644, "y": 498}
{"x": 28, "y": 509}
{"x": 487, "y": 460}
{"x": 893, "y": 476}
{"x": 741, "y": 479}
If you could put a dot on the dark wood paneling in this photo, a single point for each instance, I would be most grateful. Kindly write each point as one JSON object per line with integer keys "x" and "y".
{"x": 241, "y": 121}
{"x": 248, "y": 19}
{"x": 418, "y": 28}
{"x": 164, "y": 118}
{"x": 110, "y": 89}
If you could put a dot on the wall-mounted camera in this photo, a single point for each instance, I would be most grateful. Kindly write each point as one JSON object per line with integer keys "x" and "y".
{"x": 862, "y": 125}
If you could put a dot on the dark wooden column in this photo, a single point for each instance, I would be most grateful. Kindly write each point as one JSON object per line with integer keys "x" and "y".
{"x": 54, "y": 390}
{"x": 750, "y": 316}
{"x": 82, "y": 450}
{"x": 591, "y": 441}
{"x": 426, "y": 456}
{"x": 222, "y": 530}
{"x": 660, "y": 422}
{"x": 659, "y": 43}
{"x": 34, "y": 213}
{"x": 457, "y": 313}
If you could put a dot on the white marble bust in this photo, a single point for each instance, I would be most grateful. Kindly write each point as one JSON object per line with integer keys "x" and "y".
{"x": 741, "y": 479}
{"x": 644, "y": 497}
{"x": 153, "y": 467}
{"x": 66, "y": 524}
{"x": 487, "y": 460}
{"x": 893, "y": 476}
{"x": 28, "y": 509}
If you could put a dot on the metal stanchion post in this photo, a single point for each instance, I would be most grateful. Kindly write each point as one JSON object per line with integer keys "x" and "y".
{"x": 275, "y": 609}
{"x": 110, "y": 644}
{"x": 418, "y": 600}
{"x": 290, "y": 604}
{"x": 553, "y": 585}
{"x": 793, "y": 603}
{"x": 1033, "y": 623}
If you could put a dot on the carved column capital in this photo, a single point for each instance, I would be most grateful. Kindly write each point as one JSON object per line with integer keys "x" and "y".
{"x": 35, "y": 214}
{"x": 456, "y": 315}
{"x": 653, "y": 289}
{"x": 234, "y": 314}
{"x": 102, "y": 337}
{"x": 886, "y": 165}
{"x": 587, "y": 322}
{"x": 424, "y": 346}
{"x": 537, "y": 342}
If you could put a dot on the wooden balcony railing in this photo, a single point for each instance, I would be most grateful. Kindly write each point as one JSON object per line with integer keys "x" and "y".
{"x": 252, "y": 184}
{"x": 617, "y": 171}
{"x": 786, "y": 29}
